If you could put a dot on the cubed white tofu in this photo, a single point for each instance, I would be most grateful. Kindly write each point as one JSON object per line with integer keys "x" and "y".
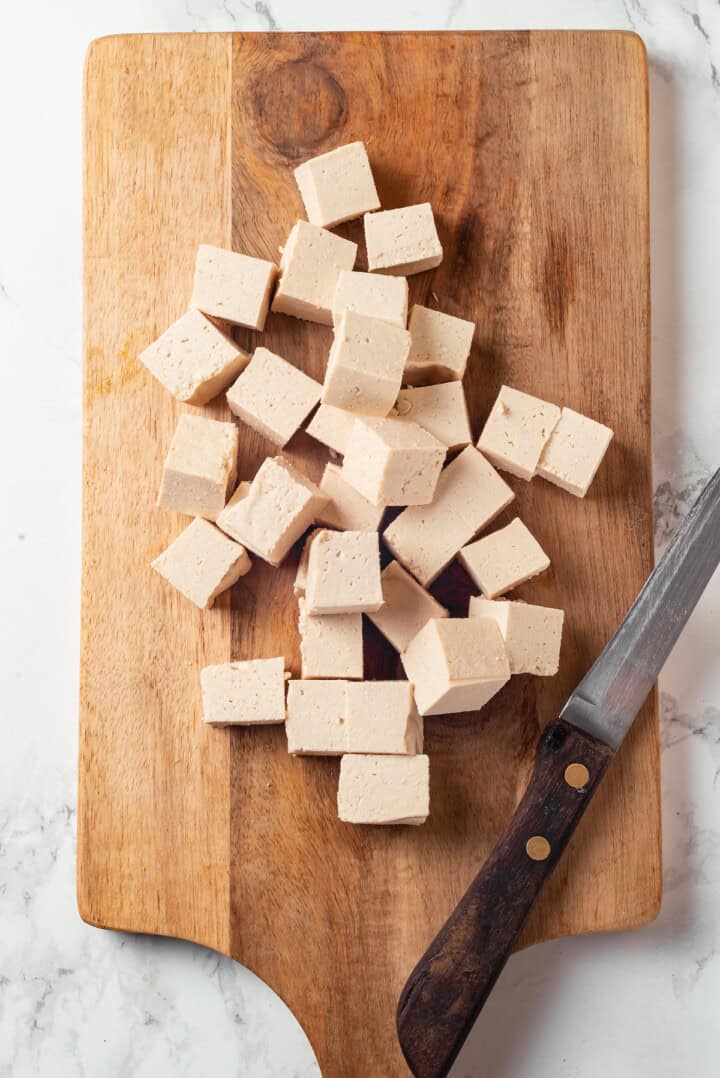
{"x": 439, "y": 409}
{"x": 331, "y": 645}
{"x": 247, "y": 693}
{"x": 402, "y": 241}
{"x": 331, "y": 426}
{"x": 456, "y": 664}
{"x": 507, "y": 557}
{"x": 271, "y": 514}
{"x": 273, "y": 397}
{"x": 378, "y": 296}
{"x": 202, "y": 562}
{"x": 311, "y": 263}
{"x": 343, "y": 574}
{"x": 194, "y": 360}
{"x": 532, "y": 634}
{"x": 406, "y": 609}
{"x": 574, "y": 452}
{"x": 201, "y": 467}
{"x": 346, "y": 509}
{"x": 338, "y": 185}
{"x": 440, "y": 347}
{"x": 365, "y": 365}
{"x": 384, "y": 789}
{"x": 393, "y": 461}
{"x": 468, "y": 495}
{"x": 517, "y": 430}
{"x": 232, "y": 286}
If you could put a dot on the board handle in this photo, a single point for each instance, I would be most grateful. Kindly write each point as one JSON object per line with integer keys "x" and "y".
{"x": 449, "y": 985}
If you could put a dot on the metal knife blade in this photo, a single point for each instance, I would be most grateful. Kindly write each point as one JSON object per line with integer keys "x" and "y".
{"x": 615, "y": 687}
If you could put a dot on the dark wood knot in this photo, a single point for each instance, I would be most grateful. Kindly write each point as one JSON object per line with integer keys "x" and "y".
{"x": 298, "y": 106}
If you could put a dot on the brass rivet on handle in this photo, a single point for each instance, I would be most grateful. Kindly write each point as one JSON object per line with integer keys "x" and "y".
{"x": 537, "y": 848}
{"x": 577, "y": 776}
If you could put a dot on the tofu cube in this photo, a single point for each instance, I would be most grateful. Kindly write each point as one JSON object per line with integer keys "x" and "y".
{"x": 346, "y": 509}
{"x": 249, "y": 693}
{"x": 507, "y": 557}
{"x": 393, "y": 462}
{"x": 382, "y": 717}
{"x": 232, "y": 286}
{"x": 382, "y": 297}
{"x": 194, "y": 360}
{"x": 439, "y": 409}
{"x": 271, "y": 514}
{"x": 338, "y": 185}
{"x": 517, "y": 430}
{"x": 201, "y": 467}
{"x": 309, "y": 268}
{"x": 328, "y": 718}
{"x": 384, "y": 789}
{"x": 300, "y": 581}
{"x": 440, "y": 347}
{"x": 469, "y": 494}
{"x": 202, "y": 562}
{"x": 456, "y": 664}
{"x": 365, "y": 365}
{"x": 343, "y": 574}
{"x": 273, "y": 397}
{"x": 331, "y": 426}
{"x": 532, "y": 634}
{"x": 574, "y": 452}
{"x": 403, "y": 241}
{"x": 316, "y": 718}
{"x": 331, "y": 645}
{"x": 406, "y": 609}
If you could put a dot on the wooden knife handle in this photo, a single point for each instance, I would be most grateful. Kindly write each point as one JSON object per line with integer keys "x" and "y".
{"x": 449, "y": 985}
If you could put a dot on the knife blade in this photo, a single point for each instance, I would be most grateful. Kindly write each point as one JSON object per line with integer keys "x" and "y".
{"x": 449, "y": 985}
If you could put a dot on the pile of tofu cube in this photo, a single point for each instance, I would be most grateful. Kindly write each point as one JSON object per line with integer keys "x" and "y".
{"x": 392, "y": 406}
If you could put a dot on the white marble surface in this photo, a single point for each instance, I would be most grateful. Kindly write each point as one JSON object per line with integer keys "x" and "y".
{"x": 79, "y": 1002}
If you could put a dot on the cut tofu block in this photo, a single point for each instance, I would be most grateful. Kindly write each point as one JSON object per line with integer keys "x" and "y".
{"x": 456, "y": 664}
{"x": 440, "y": 347}
{"x": 365, "y": 365}
{"x": 301, "y": 574}
{"x": 382, "y": 297}
{"x": 343, "y": 575}
{"x": 517, "y": 430}
{"x": 309, "y": 268}
{"x": 273, "y": 397}
{"x": 194, "y": 360}
{"x": 201, "y": 467}
{"x": 469, "y": 494}
{"x": 328, "y": 718}
{"x": 231, "y": 286}
{"x": 393, "y": 461}
{"x": 338, "y": 185}
{"x": 532, "y": 634}
{"x": 202, "y": 562}
{"x": 574, "y": 452}
{"x": 406, "y": 609}
{"x": 331, "y": 426}
{"x": 441, "y": 410}
{"x": 316, "y": 718}
{"x": 382, "y": 717}
{"x": 346, "y": 509}
{"x": 507, "y": 557}
{"x": 271, "y": 514}
{"x": 384, "y": 789}
{"x": 249, "y": 693}
{"x": 331, "y": 645}
{"x": 403, "y": 241}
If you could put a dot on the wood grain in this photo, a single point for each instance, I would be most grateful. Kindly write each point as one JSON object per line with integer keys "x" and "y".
{"x": 532, "y": 148}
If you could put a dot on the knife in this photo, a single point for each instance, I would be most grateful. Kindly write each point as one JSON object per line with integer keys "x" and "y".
{"x": 449, "y": 985}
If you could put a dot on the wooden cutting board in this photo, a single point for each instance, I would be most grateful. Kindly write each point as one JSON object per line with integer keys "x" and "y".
{"x": 533, "y": 149}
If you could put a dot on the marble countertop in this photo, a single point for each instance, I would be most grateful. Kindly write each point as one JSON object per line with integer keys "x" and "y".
{"x": 75, "y": 1001}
